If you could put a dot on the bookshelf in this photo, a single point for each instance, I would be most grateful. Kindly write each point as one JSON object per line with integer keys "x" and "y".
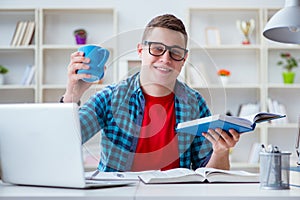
{"x": 255, "y": 76}
{"x": 55, "y": 51}
{"x": 17, "y": 58}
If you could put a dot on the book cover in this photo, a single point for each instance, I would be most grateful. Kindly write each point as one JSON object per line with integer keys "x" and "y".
{"x": 28, "y": 75}
{"x": 295, "y": 176}
{"x": 25, "y": 74}
{"x": 184, "y": 175}
{"x": 16, "y": 33}
{"x": 28, "y": 33}
{"x": 225, "y": 122}
{"x": 22, "y": 33}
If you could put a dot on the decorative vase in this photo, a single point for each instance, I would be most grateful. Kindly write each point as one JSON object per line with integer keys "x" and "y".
{"x": 224, "y": 79}
{"x": 1, "y": 79}
{"x": 288, "y": 77}
{"x": 80, "y": 40}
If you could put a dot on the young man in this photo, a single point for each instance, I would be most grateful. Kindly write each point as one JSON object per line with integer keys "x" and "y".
{"x": 137, "y": 117}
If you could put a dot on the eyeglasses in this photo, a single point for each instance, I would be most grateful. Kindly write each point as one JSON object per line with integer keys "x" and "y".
{"x": 158, "y": 49}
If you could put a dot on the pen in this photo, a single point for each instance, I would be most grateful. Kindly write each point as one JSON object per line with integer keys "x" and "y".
{"x": 120, "y": 175}
{"x": 263, "y": 149}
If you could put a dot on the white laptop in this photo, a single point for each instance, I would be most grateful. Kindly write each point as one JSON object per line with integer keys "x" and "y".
{"x": 40, "y": 144}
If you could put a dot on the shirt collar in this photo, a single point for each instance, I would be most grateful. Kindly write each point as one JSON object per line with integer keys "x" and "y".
{"x": 179, "y": 89}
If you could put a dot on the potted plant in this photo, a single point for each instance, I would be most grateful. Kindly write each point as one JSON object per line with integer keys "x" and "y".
{"x": 3, "y": 71}
{"x": 80, "y": 36}
{"x": 288, "y": 63}
{"x": 224, "y": 75}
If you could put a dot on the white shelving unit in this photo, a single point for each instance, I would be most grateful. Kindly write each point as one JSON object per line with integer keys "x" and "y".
{"x": 17, "y": 58}
{"x": 255, "y": 76}
{"x": 57, "y": 43}
{"x": 50, "y": 53}
{"x": 283, "y": 135}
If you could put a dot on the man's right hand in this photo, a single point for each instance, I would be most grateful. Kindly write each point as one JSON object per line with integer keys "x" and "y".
{"x": 75, "y": 85}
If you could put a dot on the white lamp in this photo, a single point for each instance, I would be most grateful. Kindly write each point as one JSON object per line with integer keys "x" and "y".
{"x": 284, "y": 26}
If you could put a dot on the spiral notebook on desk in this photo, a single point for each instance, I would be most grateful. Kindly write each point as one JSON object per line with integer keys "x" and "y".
{"x": 40, "y": 145}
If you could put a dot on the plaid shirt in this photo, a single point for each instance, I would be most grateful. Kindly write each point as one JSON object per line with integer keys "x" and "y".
{"x": 117, "y": 111}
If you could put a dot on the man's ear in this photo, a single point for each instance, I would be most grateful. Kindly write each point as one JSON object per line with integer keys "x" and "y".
{"x": 185, "y": 57}
{"x": 139, "y": 49}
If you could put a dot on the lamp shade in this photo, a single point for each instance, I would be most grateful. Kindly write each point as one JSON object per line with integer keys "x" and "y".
{"x": 284, "y": 26}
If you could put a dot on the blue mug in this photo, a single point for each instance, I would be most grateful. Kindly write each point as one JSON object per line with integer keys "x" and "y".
{"x": 98, "y": 57}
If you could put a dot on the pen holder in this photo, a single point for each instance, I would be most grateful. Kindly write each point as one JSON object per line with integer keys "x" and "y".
{"x": 274, "y": 170}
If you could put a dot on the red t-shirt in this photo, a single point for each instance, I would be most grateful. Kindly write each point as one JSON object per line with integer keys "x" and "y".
{"x": 158, "y": 145}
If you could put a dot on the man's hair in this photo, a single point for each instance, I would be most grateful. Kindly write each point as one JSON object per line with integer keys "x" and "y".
{"x": 166, "y": 21}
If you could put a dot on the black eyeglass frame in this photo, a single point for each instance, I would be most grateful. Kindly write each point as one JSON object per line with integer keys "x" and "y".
{"x": 169, "y": 48}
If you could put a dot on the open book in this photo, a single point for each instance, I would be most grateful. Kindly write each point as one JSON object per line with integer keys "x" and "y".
{"x": 184, "y": 175}
{"x": 225, "y": 122}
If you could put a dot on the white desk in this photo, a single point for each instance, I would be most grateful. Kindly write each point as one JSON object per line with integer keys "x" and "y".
{"x": 213, "y": 192}
{"x": 28, "y": 192}
{"x": 141, "y": 191}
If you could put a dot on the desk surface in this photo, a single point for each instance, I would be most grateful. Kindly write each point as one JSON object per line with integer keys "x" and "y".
{"x": 157, "y": 191}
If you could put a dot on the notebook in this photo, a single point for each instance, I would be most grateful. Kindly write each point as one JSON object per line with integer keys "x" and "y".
{"x": 40, "y": 145}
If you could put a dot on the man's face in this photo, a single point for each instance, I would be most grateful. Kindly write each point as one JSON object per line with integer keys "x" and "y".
{"x": 162, "y": 69}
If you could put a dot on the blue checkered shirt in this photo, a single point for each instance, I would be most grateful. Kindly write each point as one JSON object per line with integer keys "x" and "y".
{"x": 117, "y": 112}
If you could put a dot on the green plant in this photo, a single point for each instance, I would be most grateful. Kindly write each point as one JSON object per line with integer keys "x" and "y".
{"x": 3, "y": 70}
{"x": 80, "y": 32}
{"x": 290, "y": 62}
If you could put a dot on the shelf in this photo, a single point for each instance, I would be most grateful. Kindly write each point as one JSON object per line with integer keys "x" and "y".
{"x": 283, "y": 86}
{"x": 227, "y": 86}
{"x": 283, "y": 126}
{"x": 100, "y": 24}
{"x": 17, "y": 87}
{"x": 17, "y": 58}
{"x": 225, "y": 47}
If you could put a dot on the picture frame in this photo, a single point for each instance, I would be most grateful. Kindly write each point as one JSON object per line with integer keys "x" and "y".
{"x": 212, "y": 36}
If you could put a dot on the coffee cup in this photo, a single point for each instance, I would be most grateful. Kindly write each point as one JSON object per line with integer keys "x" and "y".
{"x": 98, "y": 57}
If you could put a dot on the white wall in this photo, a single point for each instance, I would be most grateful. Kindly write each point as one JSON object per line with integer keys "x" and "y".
{"x": 134, "y": 14}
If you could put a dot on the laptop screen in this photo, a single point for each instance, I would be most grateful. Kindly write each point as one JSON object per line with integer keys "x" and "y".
{"x": 40, "y": 144}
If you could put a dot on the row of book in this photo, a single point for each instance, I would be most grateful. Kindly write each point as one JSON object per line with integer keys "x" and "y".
{"x": 23, "y": 34}
{"x": 248, "y": 109}
{"x": 275, "y": 106}
{"x": 28, "y": 76}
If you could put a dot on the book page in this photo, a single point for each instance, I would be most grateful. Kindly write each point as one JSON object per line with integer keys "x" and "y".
{"x": 243, "y": 121}
{"x": 172, "y": 173}
{"x": 178, "y": 175}
{"x": 207, "y": 171}
{"x": 219, "y": 175}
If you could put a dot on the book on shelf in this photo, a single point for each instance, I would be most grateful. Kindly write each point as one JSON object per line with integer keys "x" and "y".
{"x": 254, "y": 153}
{"x": 295, "y": 176}
{"x": 184, "y": 175}
{"x": 28, "y": 35}
{"x": 225, "y": 122}
{"x": 16, "y": 33}
{"x": 275, "y": 107}
{"x": 23, "y": 34}
{"x": 28, "y": 75}
{"x": 248, "y": 109}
